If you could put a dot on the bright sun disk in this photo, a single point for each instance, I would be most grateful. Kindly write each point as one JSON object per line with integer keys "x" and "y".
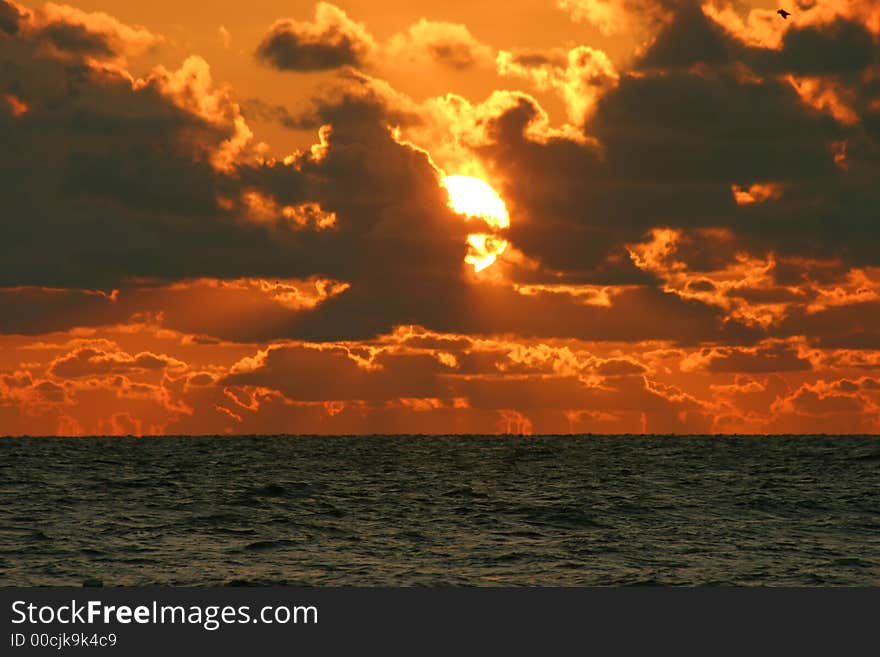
{"x": 473, "y": 197}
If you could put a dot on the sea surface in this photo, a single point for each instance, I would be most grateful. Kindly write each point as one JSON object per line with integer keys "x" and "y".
{"x": 463, "y": 510}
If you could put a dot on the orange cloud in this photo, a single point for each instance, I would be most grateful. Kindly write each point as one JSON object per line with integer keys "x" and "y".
{"x": 16, "y": 105}
{"x": 760, "y": 27}
{"x": 831, "y": 407}
{"x": 616, "y": 16}
{"x": 87, "y": 361}
{"x": 825, "y": 95}
{"x": 769, "y": 357}
{"x": 449, "y": 44}
{"x": 580, "y": 77}
{"x": 756, "y": 193}
{"x": 191, "y": 87}
{"x": 745, "y": 287}
{"x": 120, "y": 38}
{"x": 418, "y": 380}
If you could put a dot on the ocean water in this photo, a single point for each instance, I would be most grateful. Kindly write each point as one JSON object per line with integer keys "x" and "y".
{"x": 466, "y": 510}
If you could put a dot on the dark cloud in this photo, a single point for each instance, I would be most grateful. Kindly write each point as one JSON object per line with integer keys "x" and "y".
{"x": 49, "y": 392}
{"x": 811, "y": 402}
{"x": 620, "y": 367}
{"x": 772, "y": 358}
{"x": 702, "y": 113}
{"x": 137, "y": 194}
{"x": 254, "y": 108}
{"x": 846, "y": 326}
{"x": 331, "y": 41}
{"x": 539, "y": 58}
{"x": 308, "y": 374}
{"x": 726, "y": 131}
{"x": 448, "y": 44}
{"x": 661, "y": 163}
{"x": 137, "y": 191}
{"x": 132, "y": 193}
{"x": 456, "y": 55}
{"x": 634, "y": 314}
{"x": 77, "y": 39}
{"x": 97, "y": 362}
{"x": 689, "y": 38}
{"x": 31, "y": 311}
{"x": 352, "y": 98}
{"x": 10, "y": 17}
{"x": 840, "y": 47}
{"x": 767, "y": 295}
{"x": 692, "y": 38}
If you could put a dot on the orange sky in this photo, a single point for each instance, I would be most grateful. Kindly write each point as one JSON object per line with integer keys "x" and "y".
{"x": 236, "y": 219}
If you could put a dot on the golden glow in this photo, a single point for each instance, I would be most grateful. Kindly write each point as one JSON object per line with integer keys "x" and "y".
{"x": 473, "y": 197}
{"x": 309, "y": 215}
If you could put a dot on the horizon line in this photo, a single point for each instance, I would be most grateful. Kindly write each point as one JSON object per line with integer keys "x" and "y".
{"x": 451, "y": 435}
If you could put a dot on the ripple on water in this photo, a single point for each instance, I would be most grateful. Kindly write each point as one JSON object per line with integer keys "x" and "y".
{"x": 470, "y": 510}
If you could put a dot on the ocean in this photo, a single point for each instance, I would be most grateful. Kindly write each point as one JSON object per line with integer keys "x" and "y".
{"x": 428, "y": 511}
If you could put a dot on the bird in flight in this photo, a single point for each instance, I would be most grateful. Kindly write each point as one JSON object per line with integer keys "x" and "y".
{"x": 784, "y": 13}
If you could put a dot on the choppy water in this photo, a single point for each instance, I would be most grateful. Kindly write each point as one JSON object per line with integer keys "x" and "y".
{"x": 429, "y": 510}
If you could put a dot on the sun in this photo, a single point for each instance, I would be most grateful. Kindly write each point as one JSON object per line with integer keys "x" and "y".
{"x": 473, "y": 197}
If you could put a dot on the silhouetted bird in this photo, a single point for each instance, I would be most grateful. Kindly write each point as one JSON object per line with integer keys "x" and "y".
{"x": 784, "y": 13}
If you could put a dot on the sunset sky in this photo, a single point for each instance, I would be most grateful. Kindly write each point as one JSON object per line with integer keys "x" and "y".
{"x": 606, "y": 216}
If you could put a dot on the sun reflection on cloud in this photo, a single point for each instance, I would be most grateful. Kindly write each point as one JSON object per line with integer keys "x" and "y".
{"x": 483, "y": 250}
